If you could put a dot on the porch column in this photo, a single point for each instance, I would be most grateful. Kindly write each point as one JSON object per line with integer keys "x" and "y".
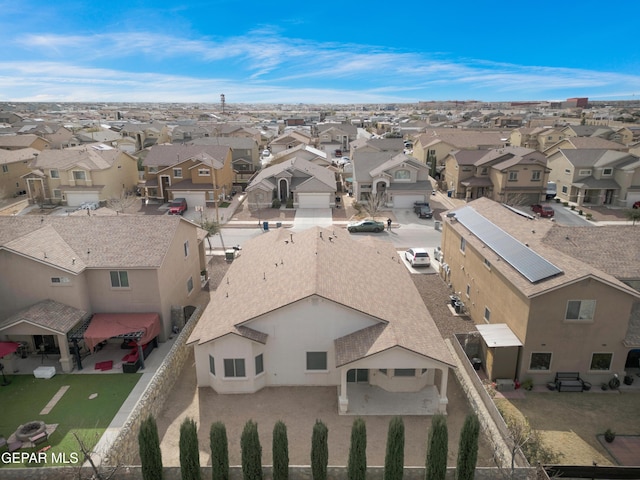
{"x": 343, "y": 400}
{"x": 66, "y": 361}
{"x": 444, "y": 401}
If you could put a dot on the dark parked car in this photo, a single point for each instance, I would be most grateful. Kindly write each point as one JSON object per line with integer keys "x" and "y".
{"x": 425, "y": 212}
{"x": 543, "y": 210}
{"x": 178, "y": 206}
{"x": 366, "y": 226}
{"x": 417, "y": 206}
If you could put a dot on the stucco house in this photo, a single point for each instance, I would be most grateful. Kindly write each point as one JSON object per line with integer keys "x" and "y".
{"x": 14, "y": 164}
{"x": 300, "y": 181}
{"x": 58, "y": 271}
{"x": 291, "y": 312}
{"x": 87, "y": 173}
{"x": 568, "y": 296}
{"x": 17, "y": 142}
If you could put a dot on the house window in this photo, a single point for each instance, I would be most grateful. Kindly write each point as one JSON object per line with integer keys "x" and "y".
{"x": 565, "y": 189}
{"x": 484, "y": 171}
{"x": 468, "y": 292}
{"x": 402, "y": 175}
{"x": 5, "y": 169}
{"x": 259, "y": 364}
{"x": 540, "y": 361}
{"x": 190, "y": 285}
{"x": 57, "y": 194}
{"x": 234, "y": 367}
{"x": 204, "y": 172}
{"x": 212, "y": 365}
{"x": 186, "y": 248}
{"x": 177, "y": 173}
{"x": 383, "y": 371}
{"x": 487, "y": 264}
{"x": 580, "y": 309}
{"x": 79, "y": 175}
{"x": 404, "y": 372}
{"x": 119, "y": 279}
{"x": 567, "y": 171}
{"x": 59, "y": 280}
{"x": 536, "y": 175}
{"x": 54, "y": 173}
{"x": 513, "y": 176}
{"x": 584, "y": 172}
{"x": 601, "y": 361}
{"x": 153, "y": 169}
{"x": 607, "y": 172}
{"x": 463, "y": 244}
{"x": 487, "y": 314}
{"x": 316, "y": 360}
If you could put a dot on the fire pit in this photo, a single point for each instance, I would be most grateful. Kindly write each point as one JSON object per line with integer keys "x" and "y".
{"x": 29, "y": 429}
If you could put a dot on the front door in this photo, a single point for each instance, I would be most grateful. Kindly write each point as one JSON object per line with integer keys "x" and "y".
{"x": 166, "y": 183}
{"x": 608, "y": 197}
{"x": 358, "y": 375}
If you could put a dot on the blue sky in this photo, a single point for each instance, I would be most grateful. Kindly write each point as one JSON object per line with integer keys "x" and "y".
{"x": 317, "y": 52}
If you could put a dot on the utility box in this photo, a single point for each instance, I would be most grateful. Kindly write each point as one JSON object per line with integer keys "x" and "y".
{"x": 505, "y": 385}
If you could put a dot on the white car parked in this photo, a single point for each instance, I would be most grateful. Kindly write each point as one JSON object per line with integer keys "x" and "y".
{"x": 89, "y": 206}
{"x": 417, "y": 257}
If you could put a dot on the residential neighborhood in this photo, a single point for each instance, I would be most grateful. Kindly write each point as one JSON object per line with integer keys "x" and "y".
{"x": 235, "y": 255}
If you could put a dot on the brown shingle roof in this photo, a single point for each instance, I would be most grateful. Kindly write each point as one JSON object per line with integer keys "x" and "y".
{"x": 167, "y": 155}
{"x": 49, "y": 314}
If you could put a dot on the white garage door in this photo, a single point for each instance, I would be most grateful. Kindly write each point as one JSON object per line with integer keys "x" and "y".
{"x": 406, "y": 201}
{"x": 193, "y": 198}
{"x": 313, "y": 200}
{"x": 75, "y": 199}
{"x": 632, "y": 198}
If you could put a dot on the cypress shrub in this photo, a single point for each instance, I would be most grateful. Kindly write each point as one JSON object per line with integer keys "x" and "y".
{"x": 280, "y": 452}
{"x": 357, "y": 464}
{"x": 438, "y": 448}
{"x": 468, "y": 449}
{"x": 319, "y": 451}
{"x": 251, "y": 452}
{"x": 219, "y": 451}
{"x": 189, "y": 451}
{"x": 394, "y": 458}
{"x": 149, "y": 448}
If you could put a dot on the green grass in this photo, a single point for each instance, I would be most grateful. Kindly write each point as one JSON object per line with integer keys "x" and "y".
{"x": 26, "y": 396}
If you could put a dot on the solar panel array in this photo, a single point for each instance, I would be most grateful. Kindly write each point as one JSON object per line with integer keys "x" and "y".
{"x": 527, "y": 262}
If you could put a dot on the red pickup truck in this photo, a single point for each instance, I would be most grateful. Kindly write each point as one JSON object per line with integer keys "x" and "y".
{"x": 543, "y": 210}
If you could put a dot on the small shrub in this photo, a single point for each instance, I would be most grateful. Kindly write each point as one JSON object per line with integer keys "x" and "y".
{"x": 565, "y": 204}
{"x": 219, "y": 451}
{"x": 573, "y": 207}
{"x": 580, "y": 212}
{"x": 189, "y": 451}
{"x": 150, "y": 454}
{"x": 357, "y": 463}
{"x": 251, "y": 452}
{"x": 609, "y": 435}
{"x": 589, "y": 216}
{"x": 527, "y": 385}
{"x": 280, "y": 455}
{"x": 437, "y": 449}
{"x": 290, "y": 203}
{"x": 558, "y": 200}
{"x": 276, "y": 203}
{"x": 468, "y": 448}
{"x": 319, "y": 451}
{"x": 394, "y": 458}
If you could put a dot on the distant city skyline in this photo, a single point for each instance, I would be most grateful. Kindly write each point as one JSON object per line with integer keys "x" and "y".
{"x": 334, "y": 52}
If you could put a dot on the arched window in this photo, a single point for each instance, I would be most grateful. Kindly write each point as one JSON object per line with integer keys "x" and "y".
{"x": 402, "y": 175}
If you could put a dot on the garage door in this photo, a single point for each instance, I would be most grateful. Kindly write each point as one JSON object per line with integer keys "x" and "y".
{"x": 525, "y": 199}
{"x": 313, "y": 200}
{"x": 193, "y": 199}
{"x": 75, "y": 199}
{"x": 632, "y": 198}
{"x": 406, "y": 201}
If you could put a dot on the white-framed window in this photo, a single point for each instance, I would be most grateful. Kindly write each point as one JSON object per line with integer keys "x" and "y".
{"x": 601, "y": 361}
{"x": 152, "y": 169}
{"x": 316, "y": 360}
{"x": 463, "y": 244}
{"x": 540, "y": 361}
{"x": 468, "y": 292}
{"x": 513, "y": 176}
{"x": 484, "y": 171}
{"x": 60, "y": 280}
{"x": 119, "y": 279}
{"x": 186, "y": 248}
{"x": 57, "y": 193}
{"x": 177, "y": 173}
{"x": 190, "y": 285}
{"x": 234, "y": 367}
{"x": 54, "y": 173}
{"x": 583, "y": 172}
{"x": 79, "y": 175}
{"x": 259, "y": 364}
{"x": 402, "y": 175}
{"x": 487, "y": 314}
{"x": 5, "y": 168}
{"x": 487, "y": 263}
{"x": 607, "y": 172}
{"x": 536, "y": 175}
{"x": 212, "y": 365}
{"x": 204, "y": 172}
{"x": 567, "y": 171}
{"x": 565, "y": 189}
{"x": 578, "y": 310}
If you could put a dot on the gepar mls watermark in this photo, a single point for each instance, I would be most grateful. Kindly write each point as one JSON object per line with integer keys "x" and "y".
{"x": 52, "y": 458}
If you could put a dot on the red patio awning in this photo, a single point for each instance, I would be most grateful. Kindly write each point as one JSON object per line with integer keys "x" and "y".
{"x": 106, "y": 325}
{"x": 7, "y": 348}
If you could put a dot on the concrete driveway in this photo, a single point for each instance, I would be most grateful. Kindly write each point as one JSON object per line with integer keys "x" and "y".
{"x": 311, "y": 217}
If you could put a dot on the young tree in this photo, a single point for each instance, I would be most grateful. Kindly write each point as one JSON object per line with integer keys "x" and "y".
{"x": 251, "y": 452}
{"x": 357, "y": 464}
{"x": 280, "y": 452}
{"x": 219, "y": 452}
{"x": 633, "y": 215}
{"x": 394, "y": 458}
{"x": 438, "y": 449}
{"x": 319, "y": 451}
{"x": 468, "y": 448}
{"x": 211, "y": 227}
{"x": 374, "y": 204}
{"x": 189, "y": 450}
{"x": 149, "y": 448}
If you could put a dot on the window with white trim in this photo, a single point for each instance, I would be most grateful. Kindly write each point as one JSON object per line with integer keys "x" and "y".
{"x": 204, "y": 172}
{"x": 565, "y": 189}
{"x": 607, "y": 172}
{"x": 234, "y": 368}
{"x": 177, "y": 173}
{"x": 316, "y": 360}
{"x": 190, "y": 285}
{"x": 487, "y": 314}
{"x": 580, "y": 310}
{"x": 57, "y": 193}
{"x": 601, "y": 361}
{"x": 186, "y": 248}
{"x": 60, "y": 280}
{"x": 513, "y": 176}
{"x": 119, "y": 279}
{"x": 79, "y": 175}
{"x": 463, "y": 244}
{"x": 402, "y": 175}
{"x": 54, "y": 173}
{"x": 540, "y": 361}
{"x": 536, "y": 175}
{"x": 468, "y": 292}
{"x": 212, "y": 365}
{"x": 5, "y": 168}
{"x": 583, "y": 172}
{"x": 259, "y": 364}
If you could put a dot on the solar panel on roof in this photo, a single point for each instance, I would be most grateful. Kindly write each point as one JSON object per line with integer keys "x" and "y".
{"x": 527, "y": 262}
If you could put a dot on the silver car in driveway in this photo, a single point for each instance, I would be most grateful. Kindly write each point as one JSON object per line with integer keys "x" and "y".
{"x": 417, "y": 257}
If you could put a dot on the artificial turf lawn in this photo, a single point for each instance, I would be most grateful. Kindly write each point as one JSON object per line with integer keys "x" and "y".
{"x": 26, "y": 396}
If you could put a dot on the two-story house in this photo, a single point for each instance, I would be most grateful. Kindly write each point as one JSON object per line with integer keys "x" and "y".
{"x": 14, "y": 164}
{"x": 564, "y": 295}
{"x": 199, "y": 173}
{"x": 88, "y": 173}
{"x": 245, "y": 157}
{"x": 583, "y": 143}
{"x": 58, "y": 271}
{"x": 538, "y": 138}
{"x": 28, "y": 140}
{"x": 337, "y": 135}
{"x": 596, "y": 177}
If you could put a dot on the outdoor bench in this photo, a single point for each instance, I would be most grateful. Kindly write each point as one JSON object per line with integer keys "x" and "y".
{"x": 569, "y": 382}
{"x": 39, "y": 438}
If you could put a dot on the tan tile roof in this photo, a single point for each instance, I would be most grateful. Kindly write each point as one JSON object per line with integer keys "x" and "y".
{"x": 11, "y": 141}
{"x": 464, "y": 139}
{"x": 136, "y": 241}
{"x": 49, "y": 314}
{"x": 85, "y": 157}
{"x": 279, "y": 268}
{"x": 15, "y": 156}
{"x": 167, "y": 155}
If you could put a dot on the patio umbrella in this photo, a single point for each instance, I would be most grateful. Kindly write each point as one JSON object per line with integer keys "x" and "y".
{"x": 7, "y": 348}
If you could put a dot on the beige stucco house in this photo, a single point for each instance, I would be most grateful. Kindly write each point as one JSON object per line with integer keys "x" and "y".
{"x": 27, "y": 140}
{"x": 291, "y": 312}
{"x": 88, "y": 173}
{"x": 14, "y": 164}
{"x": 568, "y": 295}
{"x": 58, "y": 271}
